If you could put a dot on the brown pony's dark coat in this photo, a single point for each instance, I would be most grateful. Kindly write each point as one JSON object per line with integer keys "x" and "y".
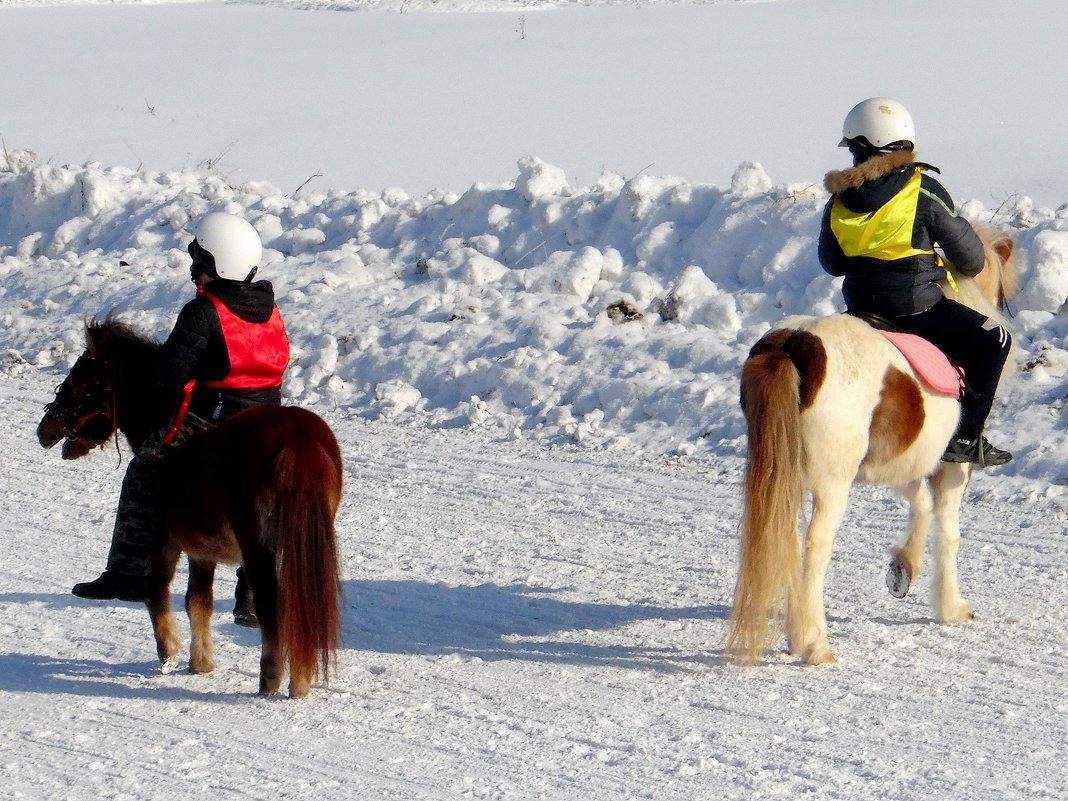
{"x": 261, "y": 488}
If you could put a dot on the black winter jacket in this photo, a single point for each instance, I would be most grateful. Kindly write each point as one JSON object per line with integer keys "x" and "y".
{"x": 903, "y": 286}
{"x": 196, "y": 349}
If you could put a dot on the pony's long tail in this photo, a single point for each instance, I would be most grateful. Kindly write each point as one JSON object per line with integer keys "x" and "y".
{"x": 309, "y": 578}
{"x": 769, "y": 565}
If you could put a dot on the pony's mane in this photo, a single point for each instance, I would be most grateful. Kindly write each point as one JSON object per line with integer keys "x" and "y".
{"x": 103, "y": 334}
{"x": 998, "y": 282}
{"x": 130, "y": 360}
{"x": 967, "y": 290}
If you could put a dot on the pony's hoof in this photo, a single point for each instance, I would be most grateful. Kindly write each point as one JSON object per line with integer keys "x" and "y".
{"x": 898, "y": 578}
{"x": 168, "y": 665}
{"x": 269, "y": 688}
{"x": 960, "y": 613}
{"x": 819, "y": 655}
{"x": 202, "y": 666}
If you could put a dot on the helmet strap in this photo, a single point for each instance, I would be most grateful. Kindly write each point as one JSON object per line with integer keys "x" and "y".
{"x": 203, "y": 261}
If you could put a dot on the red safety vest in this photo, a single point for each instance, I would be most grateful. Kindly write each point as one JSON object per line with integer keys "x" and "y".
{"x": 258, "y": 352}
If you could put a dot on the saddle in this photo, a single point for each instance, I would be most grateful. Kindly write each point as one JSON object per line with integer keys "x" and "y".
{"x": 929, "y": 363}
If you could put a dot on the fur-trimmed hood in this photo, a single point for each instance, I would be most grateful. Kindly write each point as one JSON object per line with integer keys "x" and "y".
{"x": 838, "y": 181}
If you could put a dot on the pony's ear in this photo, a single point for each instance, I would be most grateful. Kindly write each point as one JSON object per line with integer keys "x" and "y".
{"x": 92, "y": 337}
{"x": 1009, "y": 279}
{"x": 1003, "y": 247}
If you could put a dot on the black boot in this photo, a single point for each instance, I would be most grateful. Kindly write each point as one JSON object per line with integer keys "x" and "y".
{"x": 244, "y": 609}
{"x": 114, "y": 586}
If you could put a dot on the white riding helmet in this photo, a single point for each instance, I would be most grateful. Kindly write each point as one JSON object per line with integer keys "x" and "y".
{"x": 232, "y": 243}
{"x": 881, "y": 120}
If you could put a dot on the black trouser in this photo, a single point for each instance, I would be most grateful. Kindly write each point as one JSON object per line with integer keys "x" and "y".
{"x": 975, "y": 342}
{"x": 139, "y": 528}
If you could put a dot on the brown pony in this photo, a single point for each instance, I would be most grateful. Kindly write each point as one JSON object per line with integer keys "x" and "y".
{"x": 261, "y": 488}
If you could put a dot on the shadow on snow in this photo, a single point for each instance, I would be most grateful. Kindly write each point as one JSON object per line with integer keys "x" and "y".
{"x": 486, "y": 621}
{"x": 36, "y": 673}
{"x": 516, "y": 621}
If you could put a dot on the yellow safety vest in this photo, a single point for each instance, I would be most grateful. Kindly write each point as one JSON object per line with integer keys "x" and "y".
{"x": 885, "y": 233}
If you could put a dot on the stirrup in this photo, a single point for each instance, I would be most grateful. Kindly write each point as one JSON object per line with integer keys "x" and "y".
{"x": 976, "y": 451}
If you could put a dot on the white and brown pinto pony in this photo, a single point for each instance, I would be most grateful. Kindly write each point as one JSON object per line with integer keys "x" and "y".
{"x": 830, "y": 402}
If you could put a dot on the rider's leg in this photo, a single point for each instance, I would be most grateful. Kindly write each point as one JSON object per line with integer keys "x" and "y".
{"x": 244, "y": 608}
{"x": 981, "y": 347}
{"x": 136, "y": 534}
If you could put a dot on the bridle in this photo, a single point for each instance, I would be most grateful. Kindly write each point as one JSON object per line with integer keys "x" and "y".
{"x": 97, "y": 401}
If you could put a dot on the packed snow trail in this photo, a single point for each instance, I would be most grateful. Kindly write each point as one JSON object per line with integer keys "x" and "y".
{"x": 526, "y": 622}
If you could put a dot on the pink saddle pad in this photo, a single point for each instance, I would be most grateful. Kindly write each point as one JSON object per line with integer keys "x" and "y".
{"x": 929, "y": 362}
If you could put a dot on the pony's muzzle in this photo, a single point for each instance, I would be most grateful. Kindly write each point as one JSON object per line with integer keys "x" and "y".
{"x": 77, "y": 441}
{"x": 76, "y": 448}
{"x": 50, "y": 431}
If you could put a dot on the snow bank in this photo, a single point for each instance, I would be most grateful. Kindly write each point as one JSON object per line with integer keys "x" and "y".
{"x": 614, "y": 315}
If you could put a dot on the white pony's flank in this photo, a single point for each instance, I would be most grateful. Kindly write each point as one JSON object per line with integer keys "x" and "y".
{"x": 830, "y": 402}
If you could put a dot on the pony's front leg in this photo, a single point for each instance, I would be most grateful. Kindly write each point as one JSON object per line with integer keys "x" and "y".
{"x": 949, "y": 484}
{"x": 806, "y": 618}
{"x": 199, "y": 604}
{"x": 907, "y": 558}
{"x": 164, "y": 627}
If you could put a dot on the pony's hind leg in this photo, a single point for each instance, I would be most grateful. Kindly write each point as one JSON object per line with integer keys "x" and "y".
{"x": 949, "y": 484}
{"x": 199, "y": 604}
{"x": 300, "y": 677}
{"x": 262, "y": 575}
{"x": 164, "y": 627}
{"x": 907, "y": 557}
{"x": 806, "y": 619}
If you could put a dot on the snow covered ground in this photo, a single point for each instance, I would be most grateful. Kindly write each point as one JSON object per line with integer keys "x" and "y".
{"x": 539, "y": 525}
{"x": 524, "y": 622}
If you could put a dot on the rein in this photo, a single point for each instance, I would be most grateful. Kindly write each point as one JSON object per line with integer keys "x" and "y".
{"x": 114, "y": 417}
